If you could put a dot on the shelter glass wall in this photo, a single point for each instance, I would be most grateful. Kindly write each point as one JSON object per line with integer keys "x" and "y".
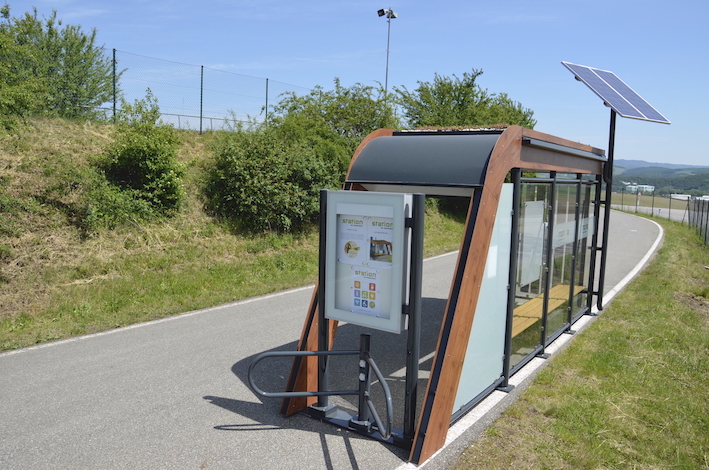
{"x": 483, "y": 363}
{"x": 554, "y": 242}
{"x": 584, "y": 248}
{"x": 531, "y": 268}
{"x": 562, "y": 264}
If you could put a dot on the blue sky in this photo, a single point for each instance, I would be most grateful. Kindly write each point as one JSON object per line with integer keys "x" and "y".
{"x": 660, "y": 49}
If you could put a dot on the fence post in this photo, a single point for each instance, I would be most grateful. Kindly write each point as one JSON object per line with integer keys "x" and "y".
{"x": 701, "y": 221}
{"x": 701, "y": 218}
{"x": 201, "y": 96}
{"x": 652, "y": 211}
{"x": 706, "y": 220}
{"x": 114, "y": 85}
{"x": 703, "y": 228}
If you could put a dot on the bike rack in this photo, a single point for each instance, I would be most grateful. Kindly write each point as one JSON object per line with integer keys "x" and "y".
{"x": 361, "y": 423}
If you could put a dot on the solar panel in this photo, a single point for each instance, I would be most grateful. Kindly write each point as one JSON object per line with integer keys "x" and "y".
{"x": 615, "y": 93}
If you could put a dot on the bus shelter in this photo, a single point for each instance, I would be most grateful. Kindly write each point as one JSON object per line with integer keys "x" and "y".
{"x": 525, "y": 270}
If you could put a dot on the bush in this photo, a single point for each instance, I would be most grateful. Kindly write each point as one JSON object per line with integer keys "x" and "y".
{"x": 109, "y": 206}
{"x": 142, "y": 159}
{"x": 261, "y": 183}
{"x": 89, "y": 201}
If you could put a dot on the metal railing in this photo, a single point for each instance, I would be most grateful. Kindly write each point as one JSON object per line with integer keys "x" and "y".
{"x": 698, "y": 215}
{"x": 690, "y": 210}
{"x": 652, "y": 204}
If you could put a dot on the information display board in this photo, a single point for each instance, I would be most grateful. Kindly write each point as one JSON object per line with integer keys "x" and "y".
{"x": 367, "y": 256}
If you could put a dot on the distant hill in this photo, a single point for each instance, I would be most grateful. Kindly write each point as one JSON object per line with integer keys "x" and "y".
{"x": 662, "y": 172}
{"x": 632, "y": 164}
{"x": 666, "y": 177}
{"x": 638, "y": 170}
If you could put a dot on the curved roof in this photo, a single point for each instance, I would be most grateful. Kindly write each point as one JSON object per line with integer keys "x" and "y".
{"x": 445, "y": 163}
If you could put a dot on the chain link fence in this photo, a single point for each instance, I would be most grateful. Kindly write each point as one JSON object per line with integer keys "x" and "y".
{"x": 693, "y": 211}
{"x": 192, "y": 96}
{"x": 672, "y": 208}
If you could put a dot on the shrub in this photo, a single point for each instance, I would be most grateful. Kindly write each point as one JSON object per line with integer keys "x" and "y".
{"x": 261, "y": 183}
{"x": 89, "y": 201}
{"x": 142, "y": 159}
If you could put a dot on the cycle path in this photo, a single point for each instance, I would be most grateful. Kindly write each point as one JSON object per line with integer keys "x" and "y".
{"x": 173, "y": 393}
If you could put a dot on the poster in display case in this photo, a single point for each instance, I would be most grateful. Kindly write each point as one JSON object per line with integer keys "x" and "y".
{"x": 367, "y": 255}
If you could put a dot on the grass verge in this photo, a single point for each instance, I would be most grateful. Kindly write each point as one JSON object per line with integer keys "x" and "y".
{"x": 57, "y": 282}
{"x": 631, "y": 391}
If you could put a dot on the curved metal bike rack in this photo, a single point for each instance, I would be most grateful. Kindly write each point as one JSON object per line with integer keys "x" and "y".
{"x": 366, "y": 364}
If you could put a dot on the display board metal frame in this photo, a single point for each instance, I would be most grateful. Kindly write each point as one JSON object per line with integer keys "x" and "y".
{"x": 367, "y": 254}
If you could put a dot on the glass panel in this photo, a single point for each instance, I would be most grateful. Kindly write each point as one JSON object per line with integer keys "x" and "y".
{"x": 529, "y": 285}
{"x": 486, "y": 346}
{"x": 561, "y": 268}
{"x": 584, "y": 253}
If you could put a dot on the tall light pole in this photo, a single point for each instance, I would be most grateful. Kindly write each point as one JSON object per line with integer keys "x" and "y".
{"x": 389, "y": 13}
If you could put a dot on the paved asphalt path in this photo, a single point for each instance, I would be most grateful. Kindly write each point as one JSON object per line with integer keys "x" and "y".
{"x": 678, "y": 212}
{"x": 173, "y": 393}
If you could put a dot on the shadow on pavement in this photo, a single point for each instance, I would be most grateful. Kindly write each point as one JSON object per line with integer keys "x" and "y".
{"x": 387, "y": 349}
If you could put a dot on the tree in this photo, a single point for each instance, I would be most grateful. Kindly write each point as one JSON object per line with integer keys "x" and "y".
{"x": 332, "y": 122}
{"x": 21, "y": 93}
{"x": 77, "y": 75}
{"x": 460, "y": 102}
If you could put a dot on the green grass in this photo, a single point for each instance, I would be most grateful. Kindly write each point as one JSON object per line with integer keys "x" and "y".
{"x": 55, "y": 282}
{"x": 631, "y": 391}
{"x": 155, "y": 279}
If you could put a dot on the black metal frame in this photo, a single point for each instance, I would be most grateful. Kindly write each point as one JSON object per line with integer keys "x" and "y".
{"x": 547, "y": 338}
{"x": 608, "y": 180}
{"x": 361, "y": 422}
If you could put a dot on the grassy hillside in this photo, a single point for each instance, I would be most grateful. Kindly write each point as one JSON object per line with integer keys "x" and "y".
{"x": 57, "y": 280}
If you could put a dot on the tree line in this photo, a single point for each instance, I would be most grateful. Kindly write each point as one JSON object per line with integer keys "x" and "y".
{"x": 265, "y": 175}
{"x": 694, "y": 185}
{"x": 49, "y": 68}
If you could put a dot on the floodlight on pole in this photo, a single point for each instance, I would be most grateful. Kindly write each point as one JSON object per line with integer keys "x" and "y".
{"x": 389, "y": 13}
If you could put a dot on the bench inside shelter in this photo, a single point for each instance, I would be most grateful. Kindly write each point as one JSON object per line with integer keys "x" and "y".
{"x": 531, "y": 311}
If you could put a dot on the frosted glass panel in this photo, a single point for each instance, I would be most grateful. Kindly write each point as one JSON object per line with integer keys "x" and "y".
{"x": 483, "y": 358}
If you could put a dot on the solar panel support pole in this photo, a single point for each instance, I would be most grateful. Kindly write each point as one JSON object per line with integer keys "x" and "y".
{"x": 608, "y": 180}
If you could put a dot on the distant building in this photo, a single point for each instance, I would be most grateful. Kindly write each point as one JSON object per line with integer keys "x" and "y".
{"x": 639, "y": 188}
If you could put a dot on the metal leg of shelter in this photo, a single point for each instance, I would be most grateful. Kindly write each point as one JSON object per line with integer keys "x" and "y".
{"x": 322, "y": 405}
{"x": 413, "y": 347}
{"x": 608, "y": 179}
{"x": 516, "y": 174}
